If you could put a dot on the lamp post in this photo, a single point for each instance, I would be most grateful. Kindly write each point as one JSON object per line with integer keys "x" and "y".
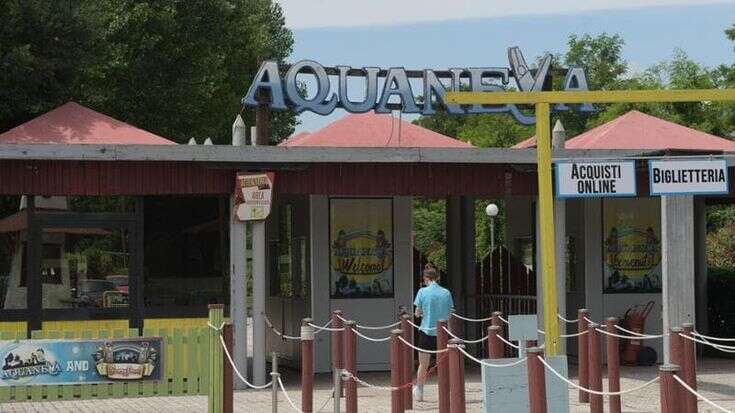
{"x": 492, "y": 211}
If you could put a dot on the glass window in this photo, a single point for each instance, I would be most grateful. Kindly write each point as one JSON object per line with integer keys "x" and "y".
{"x": 85, "y": 268}
{"x": 186, "y": 243}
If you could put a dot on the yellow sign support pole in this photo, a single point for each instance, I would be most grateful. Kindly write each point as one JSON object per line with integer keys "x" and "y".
{"x": 546, "y": 226}
{"x": 542, "y": 102}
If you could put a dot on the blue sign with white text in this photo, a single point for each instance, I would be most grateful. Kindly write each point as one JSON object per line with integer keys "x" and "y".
{"x": 30, "y": 362}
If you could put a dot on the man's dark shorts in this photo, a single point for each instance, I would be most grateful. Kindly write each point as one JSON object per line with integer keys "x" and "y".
{"x": 426, "y": 341}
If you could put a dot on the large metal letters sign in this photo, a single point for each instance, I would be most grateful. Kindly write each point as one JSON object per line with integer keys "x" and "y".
{"x": 286, "y": 92}
{"x": 688, "y": 177}
{"x": 595, "y": 179}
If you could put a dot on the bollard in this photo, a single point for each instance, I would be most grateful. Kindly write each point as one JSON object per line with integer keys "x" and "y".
{"x": 396, "y": 372}
{"x": 669, "y": 394}
{"x": 689, "y": 368}
{"x": 595, "y": 368}
{"x": 227, "y": 375}
{"x": 442, "y": 366}
{"x": 214, "y": 395}
{"x": 456, "y": 377}
{"x": 350, "y": 360}
{"x": 307, "y": 366}
{"x": 275, "y": 376}
{"x": 496, "y": 321}
{"x": 536, "y": 381}
{"x": 583, "y": 354}
{"x": 407, "y": 360}
{"x": 613, "y": 364}
{"x": 338, "y": 362}
{"x": 676, "y": 357}
{"x": 496, "y": 347}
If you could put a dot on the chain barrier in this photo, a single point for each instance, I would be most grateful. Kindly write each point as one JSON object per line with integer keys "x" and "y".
{"x": 479, "y": 340}
{"x": 559, "y": 316}
{"x": 237, "y": 372}
{"x": 278, "y": 333}
{"x": 385, "y": 327}
{"x": 325, "y": 327}
{"x": 368, "y": 338}
{"x": 699, "y": 396}
{"x": 346, "y": 375}
{"x": 423, "y": 350}
{"x": 419, "y": 327}
{"x": 641, "y": 337}
{"x": 504, "y": 340}
{"x": 472, "y": 320}
{"x": 485, "y": 363}
{"x": 711, "y": 338}
{"x": 288, "y": 398}
{"x": 721, "y": 347}
{"x": 599, "y": 393}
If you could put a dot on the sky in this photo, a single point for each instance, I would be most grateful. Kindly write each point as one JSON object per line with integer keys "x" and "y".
{"x": 418, "y": 34}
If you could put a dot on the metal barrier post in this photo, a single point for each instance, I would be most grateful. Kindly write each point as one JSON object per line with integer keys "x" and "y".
{"x": 496, "y": 321}
{"x": 337, "y": 389}
{"x": 396, "y": 372}
{"x": 583, "y": 354}
{"x": 307, "y": 366}
{"x": 595, "y": 366}
{"x": 613, "y": 364}
{"x": 407, "y": 333}
{"x": 536, "y": 381}
{"x": 442, "y": 366}
{"x": 350, "y": 342}
{"x": 689, "y": 367}
{"x": 275, "y": 376}
{"x": 227, "y": 374}
{"x": 669, "y": 394}
{"x": 337, "y": 346}
{"x": 214, "y": 394}
{"x": 456, "y": 377}
{"x": 496, "y": 347}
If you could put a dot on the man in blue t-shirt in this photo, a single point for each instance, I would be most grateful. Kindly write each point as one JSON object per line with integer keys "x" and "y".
{"x": 433, "y": 303}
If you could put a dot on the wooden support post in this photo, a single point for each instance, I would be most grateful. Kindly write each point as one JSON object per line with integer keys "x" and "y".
{"x": 496, "y": 321}
{"x": 214, "y": 394}
{"x": 407, "y": 360}
{"x": 676, "y": 357}
{"x": 536, "y": 381}
{"x": 496, "y": 346}
{"x": 275, "y": 377}
{"x": 307, "y": 366}
{"x": 456, "y": 377}
{"x": 595, "y": 366}
{"x": 338, "y": 362}
{"x": 583, "y": 354}
{"x": 396, "y": 372}
{"x": 689, "y": 368}
{"x": 670, "y": 389}
{"x": 227, "y": 374}
{"x": 442, "y": 366}
{"x": 613, "y": 364}
{"x": 350, "y": 342}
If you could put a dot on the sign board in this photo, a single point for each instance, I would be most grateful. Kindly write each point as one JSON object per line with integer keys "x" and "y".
{"x": 253, "y": 196}
{"x": 324, "y": 97}
{"x": 505, "y": 389}
{"x": 522, "y": 327}
{"x": 595, "y": 179}
{"x": 33, "y": 362}
{"x": 688, "y": 177}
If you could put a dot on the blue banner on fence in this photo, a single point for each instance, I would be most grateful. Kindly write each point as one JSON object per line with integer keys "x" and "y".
{"x": 29, "y": 362}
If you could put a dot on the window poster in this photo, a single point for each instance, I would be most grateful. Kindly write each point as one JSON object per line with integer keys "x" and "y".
{"x": 631, "y": 245}
{"x": 361, "y": 247}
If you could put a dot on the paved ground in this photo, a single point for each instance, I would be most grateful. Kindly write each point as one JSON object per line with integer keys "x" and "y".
{"x": 716, "y": 381}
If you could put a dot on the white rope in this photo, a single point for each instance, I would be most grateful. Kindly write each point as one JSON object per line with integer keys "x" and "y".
{"x": 217, "y": 329}
{"x": 423, "y": 350}
{"x": 712, "y": 338}
{"x": 599, "y": 393}
{"x": 485, "y": 363}
{"x": 351, "y": 376}
{"x": 699, "y": 396}
{"x": 472, "y": 320}
{"x": 625, "y": 330}
{"x": 508, "y": 342}
{"x": 421, "y": 328}
{"x": 375, "y": 340}
{"x": 574, "y": 334}
{"x": 325, "y": 328}
{"x": 646, "y": 337}
{"x": 278, "y": 333}
{"x": 721, "y": 347}
{"x": 479, "y": 340}
{"x": 566, "y": 320}
{"x": 385, "y": 327}
{"x": 331, "y": 396}
{"x": 588, "y": 320}
{"x": 288, "y": 399}
{"x": 237, "y": 372}
{"x": 500, "y": 317}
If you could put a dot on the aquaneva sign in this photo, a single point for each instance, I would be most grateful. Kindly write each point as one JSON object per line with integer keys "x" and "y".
{"x": 682, "y": 177}
{"x": 287, "y": 92}
{"x": 595, "y": 179}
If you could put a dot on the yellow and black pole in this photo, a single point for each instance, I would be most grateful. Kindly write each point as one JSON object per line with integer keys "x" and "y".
{"x": 543, "y": 102}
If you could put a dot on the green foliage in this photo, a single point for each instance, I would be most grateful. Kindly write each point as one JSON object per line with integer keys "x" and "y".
{"x": 177, "y": 68}
{"x": 430, "y": 231}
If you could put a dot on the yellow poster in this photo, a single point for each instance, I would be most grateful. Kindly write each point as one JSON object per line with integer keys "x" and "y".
{"x": 632, "y": 245}
{"x": 361, "y": 247}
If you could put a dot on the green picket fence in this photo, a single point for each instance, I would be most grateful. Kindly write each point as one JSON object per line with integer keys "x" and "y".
{"x": 185, "y": 363}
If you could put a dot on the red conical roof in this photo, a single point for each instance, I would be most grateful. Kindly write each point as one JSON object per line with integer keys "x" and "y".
{"x": 374, "y": 130}
{"x": 72, "y": 123}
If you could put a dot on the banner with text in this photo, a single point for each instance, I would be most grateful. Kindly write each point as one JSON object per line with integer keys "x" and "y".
{"x": 28, "y": 362}
{"x": 688, "y": 177}
{"x": 595, "y": 179}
